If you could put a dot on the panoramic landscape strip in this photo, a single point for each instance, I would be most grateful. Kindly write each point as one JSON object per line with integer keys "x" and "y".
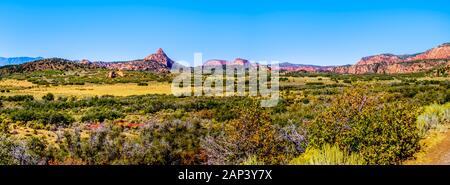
{"x": 223, "y": 90}
{"x": 385, "y": 109}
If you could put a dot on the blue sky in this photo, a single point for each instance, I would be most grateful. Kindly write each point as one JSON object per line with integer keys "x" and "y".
{"x": 321, "y": 32}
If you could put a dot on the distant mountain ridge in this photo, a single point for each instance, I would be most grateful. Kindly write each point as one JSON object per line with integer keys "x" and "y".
{"x": 391, "y": 64}
{"x": 286, "y": 66}
{"x": 17, "y": 60}
{"x": 159, "y": 62}
{"x": 45, "y": 64}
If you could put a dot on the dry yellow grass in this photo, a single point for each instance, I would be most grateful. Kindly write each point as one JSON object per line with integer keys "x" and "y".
{"x": 304, "y": 80}
{"x": 15, "y": 83}
{"x": 94, "y": 89}
{"x": 434, "y": 78}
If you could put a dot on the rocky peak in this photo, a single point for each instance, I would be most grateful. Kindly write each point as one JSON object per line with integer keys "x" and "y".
{"x": 160, "y": 57}
{"x": 160, "y": 52}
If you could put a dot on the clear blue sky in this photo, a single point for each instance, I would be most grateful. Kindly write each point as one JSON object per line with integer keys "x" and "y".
{"x": 312, "y": 32}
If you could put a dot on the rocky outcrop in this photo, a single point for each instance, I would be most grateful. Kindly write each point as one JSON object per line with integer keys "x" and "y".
{"x": 85, "y": 61}
{"x": 392, "y": 64}
{"x": 385, "y": 58}
{"x": 240, "y": 62}
{"x": 114, "y": 74}
{"x": 217, "y": 62}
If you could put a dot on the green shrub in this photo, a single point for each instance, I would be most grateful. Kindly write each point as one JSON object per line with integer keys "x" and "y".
{"x": 101, "y": 115}
{"x": 23, "y": 115}
{"x": 45, "y": 117}
{"x": 305, "y": 100}
{"x": 17, "y": 98}
{"x": 381, "y": 132}
{"x": 250, "y": 136}
{"x": 48, "y": 97}
{"x": 56, "y": 118}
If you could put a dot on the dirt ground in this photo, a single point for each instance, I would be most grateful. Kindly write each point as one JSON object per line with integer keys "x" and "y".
{"x": 436, "y": 151}
{"x": 440, "y": 154}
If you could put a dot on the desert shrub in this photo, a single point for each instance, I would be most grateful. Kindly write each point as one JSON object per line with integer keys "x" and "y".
{"x": 48, "y": 97}
{"x": 45, "y": 117}
{"x": 314, "y": 83}
{"x": 79, "y": 83}
{"x": 381, "y": 132}
{"x": 17, "y": 98}
{"x": 23, "y": 115}
{"x": 305, "y": 100}
{"x": 101, "y": 115}
{"x": 62, "y": 98}
{"x": 29, "y": 151}
{"x": 347, "y": 81}
{"x": 327, "y": 155}
{"x": 434, "y": 117}
{"x": 167, "y": 142}
{"x": 251, "y": 135}
{"x": 55, "y": 118}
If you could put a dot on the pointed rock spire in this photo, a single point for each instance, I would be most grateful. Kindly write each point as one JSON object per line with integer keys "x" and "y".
{"x": 160, "y": 57}
{"x": 160, "y": 51}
